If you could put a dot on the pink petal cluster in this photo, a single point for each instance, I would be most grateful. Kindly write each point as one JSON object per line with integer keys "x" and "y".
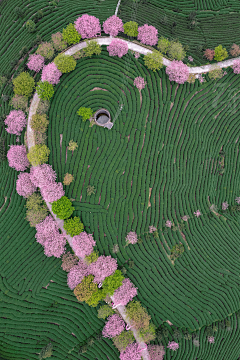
{"x": 139, "y": 82}
{"x": 148, "y": 34}
{"x": 168, "y": 224}
{"x": 24, "y": 186}
{"x": 103, "y": 267}
{"x": 136, "y": 54}
{"x": 132, "y": 352}
{"x": 177, "y": 71}
{"x": 190, "y": 58}
{"x": 156, "y": 352}
{"x": 152, "y": 229}
{"x": 51, "y": 74}
{"x": 46, "y": 229}
{"x": 83, "y": 244}
{"x": 76, "y": 274}
{"x": 201, "y": 78}
{"x": 237, "y": 200}
{"x": 114, "y": 326}
{"x": 211, "y": 339}
{"x": 113, "y": 25}
{"x": 52, "y": 192}
{"x": 131, "y": 238}
{"x": 118, "y": 48}
{"x": 225, "y": 205}
{"x": 172, "y": 345}
{"x": 124, "y": 293}
{"x": 197, "y": 213}
{"x": 42, "y": 175}
{"x": 16, "y": 121}
{"x": 55, "y": 246}
{"x": 236, "y": 66}
{"x": 88, "y": 26}
{"x": 17, "y": 157}
{"x": 35, "y": 62}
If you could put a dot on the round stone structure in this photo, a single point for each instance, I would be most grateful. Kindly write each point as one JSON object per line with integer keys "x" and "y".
{"x": 102, "y": 117}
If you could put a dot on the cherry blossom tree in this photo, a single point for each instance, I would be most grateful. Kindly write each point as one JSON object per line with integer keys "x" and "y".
{"x": 177, "y": 71}
{"x": 236, "y": 66}
{"x": 17, "y": 157}
{"x": 24, "y": 186}
{"x": 211, "y": 339}
{"x": 209, "y": 54}
{"x": 124, "y": 293}
{"x": 88, "y": 26}
{"x": 237, "y": 200}
{"x": 103, "y": 267}
{"x": 131, "y": 238}
{"x": 35, "y": 62}
{"x": 190, "y": 58}
{"x": 225, "y": 205}
{"x": 68, "y": 261}
{"x": 168, "y": 224}
{"x": 113, "y": 25}
{"x": 55, "y": 246}
{"x": 118, "y": 48}
{"x": 197, "y": 213}
{"x": 42, "y": 175}
{"x": 76, "y": 274}
{"x": 83, "y": 244}
{"x": 46, "y": 230}
{"x": 139, "y": 82}
{"x": 156, "y": 352}
{"x": 16, "y": 122}
{"x": 52, "y": 192}
{"x": 152, "y": 229}
{"x": 172, "y": 345}
{"x": 132, "y": 352}
{"x": 51, "y": 74}
{"x": 114, "y": 326}
{"x": 148, "y": 34}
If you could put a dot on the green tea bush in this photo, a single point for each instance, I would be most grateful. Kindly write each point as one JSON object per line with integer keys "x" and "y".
{"x": 62, "y": 208}
{"x": 70, "y": 35}
{"x": 45, "y": 90}
{"x": 86, "y": 113}
{"x": 131, "y": 28}
{"x": 39, "y": 122}
{"x": 73, "y": 226}
{"x": 154, "y": 60}
{"x": 65, "y": 63}
{"x": 38, "y": 155}
{"x": 23, "y": 84}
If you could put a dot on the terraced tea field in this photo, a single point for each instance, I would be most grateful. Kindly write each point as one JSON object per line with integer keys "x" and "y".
{"x": 173, "y": 149}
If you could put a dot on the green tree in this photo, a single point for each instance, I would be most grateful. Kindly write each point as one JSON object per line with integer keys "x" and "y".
{"x": 43, "y": 107}
{"x": 92, "y": 257}
{"x": 163, "y": 45}
{"x": 124, "y": 339}
{"x": 23, "y": 84}
{"x": 70, "y": 35}
{"x": 65, "y": 63}
{"x": 177, "y": 251}
{"x": 86, "y": 113}
{"x": 45, "y": 90}
{"x": 36, "y": 209}
{"x": 220, "y": 53}
{"x": 131, "y": 28}
{"x": 30, "y": 26}
{"x": 176, "y": 51}
{"x": 38, "y": 155}
{"x": 113, "y": 282}
{"x": 138, "y": 315}
{"x": 73, "y": 226}
{"x": 92, "y": 48}
{"x": 62, "y": 208}
{"x": 104, "y": 311}
{"x": 85, "y": 289}
{"x": 154, "y": 60}
{"x": 148, "y": 334}
{"x": 216, "y": 73}
{"x": 19, "y": 102}
{"x": 97, "y": 296}
{"x": 46, "y": 352}
{"x": 39, "y": 122}
{"x": 72, "y": 145}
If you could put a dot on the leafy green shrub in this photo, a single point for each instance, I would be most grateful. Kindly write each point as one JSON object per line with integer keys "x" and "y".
{"x": 85, "y": 289}
{"x": 79, "y": 54}
{"x": 113, "y": 282}
{"x": 39, "y": 122}
{"x": 30, "y": 26}
{"x": 177, "y": 251}
{"x": 73, "y": 226}
{"x": 43, "y": 107}
{"x": 19, "y": 102}
{"x": 65, "y": 63}
{"x": 38, "y": 155}
{"x": 104, "y": 311}
{"x": 90, "y": 190}
{"x": 72, "y": 145}
{"x": 18, "y": 11}
{"x": 86, "y": 113}
{"x": 36, "y": 209}
{"x": 176, "y": 51}
{"x": 45, "y": 90}
{"x": 92, "y": 48}
{"x": 131, "y": 28}
{"x": 62, "y": 208}
{"x": 23, "y": 51}
{"x": 3, "y": 80}
{"x": 154, "y": 60}
{"x": 58, "y": 43}
{"x": 46, "y": 352}
{"x": 163, "y": 45}
{"x": 124, "y": 339}
{"x": 216, "y": 73}
{"x": 220, "y": 53}
{"x": 148, "y": 334}
{"x": 46, "y": 50}
{"x": 92, "y": 257}
{"x": 68, "y": 178}
{"x": 70, "y": 35}
{"x": 23, "y": 84}
{"x": 138, "y": 315}
{"x": 97, "y": 296}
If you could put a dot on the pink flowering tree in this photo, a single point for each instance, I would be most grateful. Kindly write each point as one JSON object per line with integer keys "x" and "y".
{"x": 152, "y": 229}
{"x": 225, "y": 205}
{"x": 24, "y": 186}
{"x": 172, "y": 345}
{"x": 83, "y": 244}
{"x": 51, "y": 74}
{"x": 132, "y": 352}
{"x": 88, "y": 26}
{"x": 148, "y": 34}
{"x": 156, "y": 352}
{"x": 114, "y": 326}
{"x": 139, "y": 82}
{"x": 35, "y": 62}
{"x": 118, "y": 48}
{"x": 46, "y": 230}
{"x": 76, "y": 274}
{"x": 177, "y": 71}
{"x": 52, "y": 192}
{"x": 131, "y": 238}
{"x": 168, "y": 224}
{"x": 17, "y": 157}
{"x": 55, "y": 246}
{"x": 237, "y": 200}
{"x": 211, "y": 339}
{"x": 124, "y": 293}
{"x": 197, "y": 213}
{"x": 103, "y": 267}
{"x": 42, "y": 175}
{"x": 113, "y": 25}
{"x": 16, "y": 122}
{"x": 236, "y": 66}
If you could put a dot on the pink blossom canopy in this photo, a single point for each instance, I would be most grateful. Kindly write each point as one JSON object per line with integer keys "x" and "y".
{"x": 113, "y": 25}
{"x": 46, "y": 229}
{"x": 132, "y": 352}
{"x": 51, "y": 74}
{"x": 52, "y": 192}
{"x": 76, "y": 274}
{"x": 88, "y": 26}
{"x": 177, "y": 71}
{"x": 114, "y": 326}
{"x": 236, "y": 66}
{"x": 225, "y": 205}
{"x": 117, "y": 47}
{"x": 42, "y": 175}
{"x": 152, "y": 229}
{"x": 124, "y": 293}
{"x": 16, "y": 121}
{"x": 156, "y": 352}
{"x": 55, "y": 246}
{"x": 168, "y": 224}
{"x": 131, "y": 238}
{"x": 197, "y": 213}
{"x": 17, "y": 157}
{"x": 237, "y": 200}
{"x": 103, "y": 267}
{"x": 35, "y": 62}
{"x": 139, "y": 82}
{"x": 172, "y": 345}
{"x": 83, "y": 244}
{"x": 211, "y": 339}
{"x": 148, "y": 34}
{"x": 24, "y": 186}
